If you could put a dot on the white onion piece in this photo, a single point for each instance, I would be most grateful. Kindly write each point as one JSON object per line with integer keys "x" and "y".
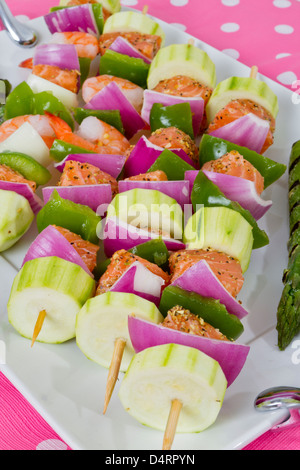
{"x": 119, "y": 235}
{"x": 145, "y": 154}
{"x": 248, "y": 131}
{"x": 151, "y": 97}
{"x": 50, "y": 242}
{"x": 27, "y": 140}
{"x": 122, "y": 46}
{"x": 111, "y": 164}
{"x": 242, "y": 191}
{"x": 200, "y": 279}
{"x": 111, "y": 98}
{"x": 39, "y": 84}
{"x": 138, "y": 280}
{"x": 178, "y": 190}
{"x": 93, "y": 195}
{"x": 230, "y": 355}
{"x": 24, "y": 190}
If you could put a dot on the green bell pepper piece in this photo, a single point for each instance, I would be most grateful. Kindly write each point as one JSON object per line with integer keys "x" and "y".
{"x": 172, "y": 165}
{"x": 23, "y": 101}
{"x": 27, "y": 166}
{"x": 177, "y": 115}
{"x": 113, "y": 118}
{"x": 154, "y": 251}
{"x": 5, "y": 89}
{"x": 210, "y": 310}
{"x": 212, "y": 148}
{"x": 61, "y": 150}
{"x": 85, "y": 65}
{"x": 77, "y": 218}
{"x": 123, "y": 66}
{"x": 206, "y": 193}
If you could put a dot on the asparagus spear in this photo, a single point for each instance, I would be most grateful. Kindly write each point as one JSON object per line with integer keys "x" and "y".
{"x": 288, "y": 314}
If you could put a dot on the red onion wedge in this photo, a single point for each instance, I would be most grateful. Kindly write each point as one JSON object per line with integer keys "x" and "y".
{"x": 122, "y": 46}
{"x": 111, "y": 164}
{"x": 24, "y": 190}
{"x": 200, "y": 279}
{"x": 93, "y": 195}
{"x": 111, "y": 98}
{"x": 144, "y": 155}
{"x": 248, "y": 131}
{"x": 230, "y": 355}
{"x": 178, "y": 190}
{"x": 119, "y": 235}
{"x": 242, "y": 191}
{"x": 50, "y": 242}
{"x": 63, "y": 56}
{"x": 138, "y": 280}
{"x": 151, "y": 97}
{"x": 190, "y": 176}
{"x": 79, "y": 18}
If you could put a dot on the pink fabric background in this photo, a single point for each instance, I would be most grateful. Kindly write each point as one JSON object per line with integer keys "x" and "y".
{"x": 265, "y": 33}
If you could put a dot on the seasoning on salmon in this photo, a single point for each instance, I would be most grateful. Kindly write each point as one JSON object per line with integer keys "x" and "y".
{"x": 146, "y": 44}
{"x": 86, "y": 250}
{"x": 79, "y": 174}
{"x": 67, "y": 79}
{"x": 120, "y": 262}
{"x": 181, "y": 319}
{"x": 173, "y": 138}
{"x": 8, "y": 174}
{"x": 151, "y": 176}
{"x": 226, "y": 269}
{"x": 234, "y": 164}
{"x": 238, "y": 108}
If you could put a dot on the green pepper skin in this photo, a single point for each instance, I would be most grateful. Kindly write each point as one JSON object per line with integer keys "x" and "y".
{"x": 23, "y": 101}
{"x": 123, "y": 66}
{"x": 206, "y": 193}
{"x": 27, "y": 166}
{"x": 288, "y": 312}
{"x": 113, "y": 118}
{"x": 61, "y": 150}
{"x": 77, "y": 218}
{"x": 177, "y": 115}
{"x": 210, "y": 310}
{"x": 172, "y": 165}
{"x": 212, "y": 148}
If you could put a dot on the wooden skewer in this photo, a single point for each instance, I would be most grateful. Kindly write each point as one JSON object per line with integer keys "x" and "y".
{"x": 38, "y": 326}
{"x": 254, "y": 71}
{"x": 191, "y": 41}
{"x": 114, "y": 369}
{"x": 145, "y": 10}
{"x": 172, "y": 424}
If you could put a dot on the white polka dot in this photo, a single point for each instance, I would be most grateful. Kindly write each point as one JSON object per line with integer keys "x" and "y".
{"x": 180, "y": 26}
{"x": 282, "y": 3}
{"x": 232, "y": 53}
{"x": 284, "y": 29}
{"x": 52, "y": 444}
{"x": 179, "y": 3}
{"x": 230, "y": 3}
{"x": 282, "y": 55}
{"x": 129, "y": 3}
{"x": 287, "y": 78}
{"x": 230, "y": 27}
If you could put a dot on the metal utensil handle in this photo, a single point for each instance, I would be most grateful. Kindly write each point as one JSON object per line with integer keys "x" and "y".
{"x": 278, "y": 397}
{"x": 20, "y": 33}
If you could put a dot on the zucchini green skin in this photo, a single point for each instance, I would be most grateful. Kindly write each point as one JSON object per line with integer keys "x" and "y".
{"x": 288, "y": 312}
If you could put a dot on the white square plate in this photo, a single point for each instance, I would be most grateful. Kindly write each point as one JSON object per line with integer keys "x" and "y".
{"x": 68, "y": 390}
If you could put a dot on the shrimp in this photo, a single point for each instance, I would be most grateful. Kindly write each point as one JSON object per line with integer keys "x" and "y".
{"x": 86, "y": 44}
{"x": 42, "y": 123}
{"x": 93, "y": 135}
{"x": 133, "y": 92}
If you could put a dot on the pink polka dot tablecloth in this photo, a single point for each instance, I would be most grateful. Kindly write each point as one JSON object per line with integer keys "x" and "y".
{"x": 265, "y": 33}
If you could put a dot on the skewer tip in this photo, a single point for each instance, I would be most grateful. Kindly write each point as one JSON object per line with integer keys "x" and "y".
{"x": 172, "y": 424}
{"x": 38, "y": 326}
{"x": 114, "y": 369}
